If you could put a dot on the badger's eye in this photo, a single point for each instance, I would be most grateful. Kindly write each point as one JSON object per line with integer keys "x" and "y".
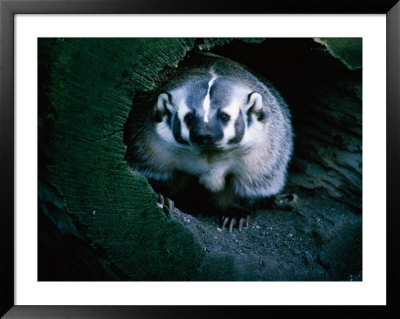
{"x": 224, "y": 117}
{"x": 188, "y": 118}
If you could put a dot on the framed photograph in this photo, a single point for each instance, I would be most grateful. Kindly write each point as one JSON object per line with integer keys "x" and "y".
{"x": 173, "y": 154}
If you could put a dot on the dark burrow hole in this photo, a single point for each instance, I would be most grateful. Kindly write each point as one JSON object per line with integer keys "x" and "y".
{"x": 325, "y": 172}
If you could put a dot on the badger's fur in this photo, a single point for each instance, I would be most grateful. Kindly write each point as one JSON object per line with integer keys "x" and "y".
{"x": 216, "y": 124}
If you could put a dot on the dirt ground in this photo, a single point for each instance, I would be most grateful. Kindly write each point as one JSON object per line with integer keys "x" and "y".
{"x": 318, "y": 239}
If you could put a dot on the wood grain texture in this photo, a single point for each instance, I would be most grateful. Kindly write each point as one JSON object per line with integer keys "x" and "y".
{"x": 89, "y": 91}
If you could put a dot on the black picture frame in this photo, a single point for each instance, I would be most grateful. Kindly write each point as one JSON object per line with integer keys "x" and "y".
{"x": 8, "y": 10}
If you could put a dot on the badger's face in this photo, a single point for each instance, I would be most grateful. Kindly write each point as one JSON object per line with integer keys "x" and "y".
{"x": 206, "y": 114}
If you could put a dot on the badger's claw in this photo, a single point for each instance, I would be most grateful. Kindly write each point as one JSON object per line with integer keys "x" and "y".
{"x": 170, "y": 203}
{"x": 232, "y": 223}
{"x": 160, "y": 200}
{"x": 243, "y": 221}
{"x": 166, "y": 204}
{"x": 225, "y": 221}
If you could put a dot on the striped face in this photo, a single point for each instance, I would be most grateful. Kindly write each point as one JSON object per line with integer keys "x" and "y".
{"x": 207, "y": 113}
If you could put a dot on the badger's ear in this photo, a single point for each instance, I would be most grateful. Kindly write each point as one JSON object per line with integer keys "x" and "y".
{"x": 254, "y": 102}
{"x": 164, "y": 102}
{"x": 163, "y": 106}
{"x": 255, "y": 106}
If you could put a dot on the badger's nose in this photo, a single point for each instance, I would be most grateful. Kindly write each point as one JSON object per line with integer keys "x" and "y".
{"x": 202, "y": 135}
{"x": 202, "y": 139}
{"x": 205, "y": 135}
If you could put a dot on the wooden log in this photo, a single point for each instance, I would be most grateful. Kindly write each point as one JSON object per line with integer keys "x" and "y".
{"x": 86, "y": 87}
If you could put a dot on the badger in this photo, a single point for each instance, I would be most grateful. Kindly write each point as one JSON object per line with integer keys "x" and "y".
{"x": 213, "y": 131}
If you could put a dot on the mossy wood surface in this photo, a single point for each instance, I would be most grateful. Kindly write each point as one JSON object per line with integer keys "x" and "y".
{"x": 90, "y": 88}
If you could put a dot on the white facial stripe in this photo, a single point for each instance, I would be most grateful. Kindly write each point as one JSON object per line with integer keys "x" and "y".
{"x": 233, "y": 111}
{"x": 182, "y": 111}
{"x": 164, "y": 131}
{"x": 206, "y": 103}
{"x": 255, "y": 134}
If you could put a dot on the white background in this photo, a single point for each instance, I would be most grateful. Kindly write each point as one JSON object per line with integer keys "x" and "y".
{"x": 372, "y": 290}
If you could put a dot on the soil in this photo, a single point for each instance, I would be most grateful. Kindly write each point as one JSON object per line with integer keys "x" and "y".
{"x": 317, "y": 239}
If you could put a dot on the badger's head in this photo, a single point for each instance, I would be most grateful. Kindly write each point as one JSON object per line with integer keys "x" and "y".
{"x": 210, "y": 114}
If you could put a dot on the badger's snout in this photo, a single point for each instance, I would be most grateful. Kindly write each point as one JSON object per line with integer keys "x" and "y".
{"x": 203, "y": 138}
{"x": 205, "y": 135}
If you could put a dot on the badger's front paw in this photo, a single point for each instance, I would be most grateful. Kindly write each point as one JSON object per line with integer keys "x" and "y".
{"x": 166, "y": 204}
{"x": 213, "y": 183}
{"x": 233, "y": 222}
{"x": 287, "y": 201}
